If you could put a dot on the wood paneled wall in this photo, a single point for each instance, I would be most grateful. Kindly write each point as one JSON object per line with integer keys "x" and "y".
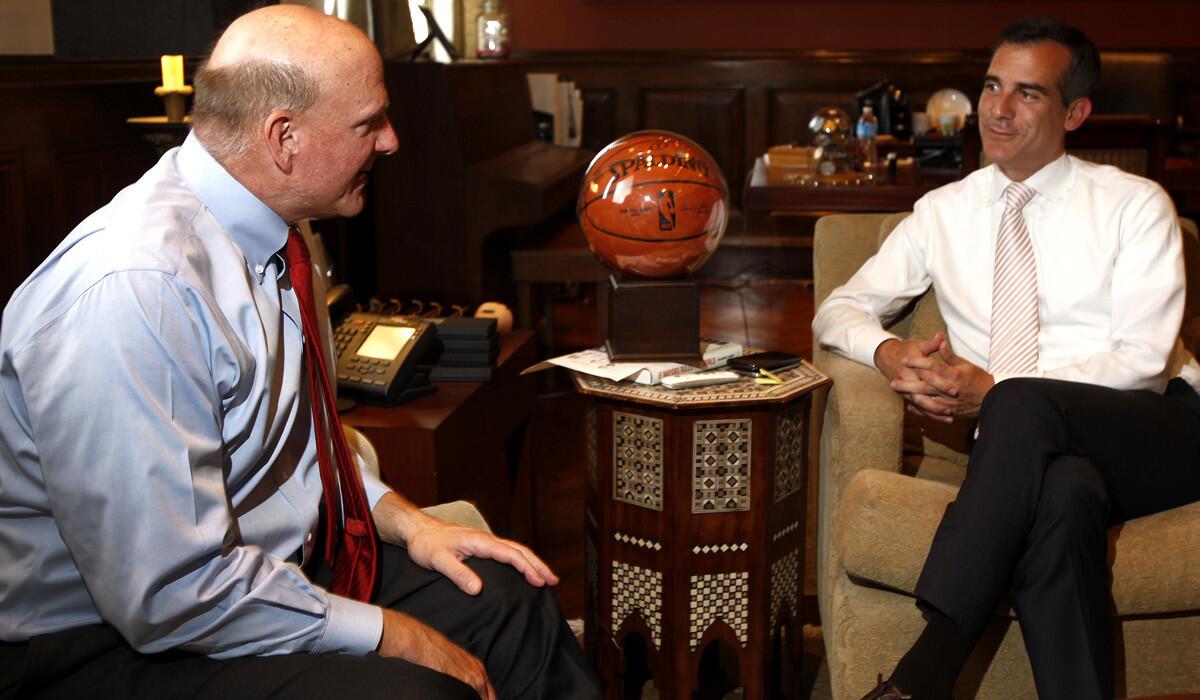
{"x": 65, "y": 150}
{"x": 737, "y": 104}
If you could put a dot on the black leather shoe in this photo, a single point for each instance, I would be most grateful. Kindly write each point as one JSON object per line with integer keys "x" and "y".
{"x": 886, "y": 690}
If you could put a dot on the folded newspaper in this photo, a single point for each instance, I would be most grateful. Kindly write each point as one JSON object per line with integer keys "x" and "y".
{"x": 714, "y": 353}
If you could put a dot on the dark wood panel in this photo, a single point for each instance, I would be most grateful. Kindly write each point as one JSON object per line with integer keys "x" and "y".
{"x": 600, "y": 112}
{"x": 12, "y": 219}
{"x": 715, "y": 119}
{"x": 68, "y": 149}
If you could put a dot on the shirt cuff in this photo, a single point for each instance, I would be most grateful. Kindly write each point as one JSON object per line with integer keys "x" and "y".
{"x": 866, "y": 342}
{"x": 375, "y": 489}
{"x": 351, "y": 627}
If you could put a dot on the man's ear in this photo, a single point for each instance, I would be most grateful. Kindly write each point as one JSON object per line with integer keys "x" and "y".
{"x": 283, "y": 143}
{"x": 1077, "y": 112}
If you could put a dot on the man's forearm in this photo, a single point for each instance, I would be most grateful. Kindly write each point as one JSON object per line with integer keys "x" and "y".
{"x": 396, "y": 518}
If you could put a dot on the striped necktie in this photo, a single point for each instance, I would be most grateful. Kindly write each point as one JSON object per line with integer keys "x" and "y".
{"x": 1014, "y": 347}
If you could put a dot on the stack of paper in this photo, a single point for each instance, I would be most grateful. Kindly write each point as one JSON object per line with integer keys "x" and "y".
{"x": 595, "y": 362}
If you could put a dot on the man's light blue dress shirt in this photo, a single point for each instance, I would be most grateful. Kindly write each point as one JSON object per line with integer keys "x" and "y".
{"x": 158, "y": 467}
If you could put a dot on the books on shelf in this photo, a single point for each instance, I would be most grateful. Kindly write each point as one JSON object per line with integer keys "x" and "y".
{"x": 714, "y": 353}
{"x": 557, "y": 97}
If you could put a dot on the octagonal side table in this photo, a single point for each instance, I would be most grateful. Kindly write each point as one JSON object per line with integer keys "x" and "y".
{"x": 695, "y": 526}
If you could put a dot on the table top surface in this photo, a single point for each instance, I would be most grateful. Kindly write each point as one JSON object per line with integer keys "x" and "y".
{"x": 883, "y": 192}
{"x": 797, "y": 381}
{"x": 517, "y": 351}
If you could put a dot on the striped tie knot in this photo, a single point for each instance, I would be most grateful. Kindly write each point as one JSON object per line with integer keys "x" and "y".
{"x": 1017, "y": 195}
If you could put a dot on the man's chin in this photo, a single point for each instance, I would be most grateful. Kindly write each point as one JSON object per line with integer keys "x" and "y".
{"x": 353, "y": 204}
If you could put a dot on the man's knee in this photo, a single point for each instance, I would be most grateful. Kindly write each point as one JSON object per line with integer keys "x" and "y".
{"x": 1073, "y": 493}
{"x": 505, "y": 588}
{"x": 1020, "y": 397}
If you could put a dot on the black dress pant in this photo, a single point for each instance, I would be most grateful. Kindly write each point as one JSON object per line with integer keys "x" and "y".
{"x": 517, "y": 630}
{"x": 1055, "y": 464}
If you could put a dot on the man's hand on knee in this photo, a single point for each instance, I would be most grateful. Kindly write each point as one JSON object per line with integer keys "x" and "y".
{"x": 407, "y": 638}
{"x": 442, "y": 546}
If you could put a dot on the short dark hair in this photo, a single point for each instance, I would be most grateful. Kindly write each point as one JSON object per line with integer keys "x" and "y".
{"x": 1083, "y": 73}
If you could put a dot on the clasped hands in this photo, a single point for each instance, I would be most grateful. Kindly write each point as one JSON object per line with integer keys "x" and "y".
{"x": 933, "y": 380}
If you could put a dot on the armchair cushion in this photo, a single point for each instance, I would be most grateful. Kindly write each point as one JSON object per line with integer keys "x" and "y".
{"x": 886, "y": 523}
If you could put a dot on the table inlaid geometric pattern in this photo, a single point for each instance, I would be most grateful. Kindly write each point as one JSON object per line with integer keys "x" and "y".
{"x": 637, "y": 589}
{"x": 724, "y": 596}
{"x": 637, "y": 541}
{"x": 721, "y": 466}
{"x": 638, "y": 460}
{"x": 789, "y": 449}
{"x": 785, "y": 586}
{"x": 592, "y": 445}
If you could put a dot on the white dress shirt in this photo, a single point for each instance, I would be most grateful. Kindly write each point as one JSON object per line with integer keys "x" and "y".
{"x": 158, "y": 465}
{"x": 1109, "y": 269}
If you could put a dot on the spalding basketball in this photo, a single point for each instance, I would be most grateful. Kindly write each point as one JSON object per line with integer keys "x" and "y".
{"x": 653, "y": 204}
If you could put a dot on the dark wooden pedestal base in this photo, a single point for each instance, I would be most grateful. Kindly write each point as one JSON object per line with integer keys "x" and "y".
{"x": 653, "y": 320}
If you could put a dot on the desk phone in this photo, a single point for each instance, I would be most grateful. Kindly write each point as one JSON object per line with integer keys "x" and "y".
{"x": 378, "y": 356}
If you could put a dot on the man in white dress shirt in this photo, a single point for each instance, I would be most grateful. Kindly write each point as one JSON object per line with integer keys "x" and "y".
{"x": 1062, "y": 286}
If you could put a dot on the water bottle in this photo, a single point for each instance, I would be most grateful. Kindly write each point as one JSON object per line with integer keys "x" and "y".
{"x": 866, "y": 131}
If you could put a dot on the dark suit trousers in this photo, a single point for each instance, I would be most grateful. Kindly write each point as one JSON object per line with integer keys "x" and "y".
{"x": 517, "y": 630}
{"x": 1055, "y": 465}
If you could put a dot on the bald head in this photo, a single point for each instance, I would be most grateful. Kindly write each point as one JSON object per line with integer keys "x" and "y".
{"x": 276, "y": 57}
{"x": 287, "y": 33}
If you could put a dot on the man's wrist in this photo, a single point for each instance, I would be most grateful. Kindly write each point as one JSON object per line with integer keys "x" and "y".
{"x": 882, "y": 355}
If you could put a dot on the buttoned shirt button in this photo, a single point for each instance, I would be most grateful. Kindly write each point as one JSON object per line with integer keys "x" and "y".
{"x": 259, "y": 269}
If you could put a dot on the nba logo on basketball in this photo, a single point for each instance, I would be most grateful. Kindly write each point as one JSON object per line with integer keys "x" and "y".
{"x": 666, "y": 210}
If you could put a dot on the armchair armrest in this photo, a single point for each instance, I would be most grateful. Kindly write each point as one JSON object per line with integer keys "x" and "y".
{"x": 862, "y": 429}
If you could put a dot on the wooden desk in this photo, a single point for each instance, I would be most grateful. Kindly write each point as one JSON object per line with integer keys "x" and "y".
{"x": 884, "y": 194}
{"x": 695, "y": 528}
{"x": 464, "y": 442}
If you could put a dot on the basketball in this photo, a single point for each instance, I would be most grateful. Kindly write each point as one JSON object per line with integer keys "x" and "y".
{"x": 653, "y": 204}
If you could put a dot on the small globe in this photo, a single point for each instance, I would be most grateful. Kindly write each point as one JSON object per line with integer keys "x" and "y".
{"x": 653, "y": 204}
{"x": 830, "y": 126}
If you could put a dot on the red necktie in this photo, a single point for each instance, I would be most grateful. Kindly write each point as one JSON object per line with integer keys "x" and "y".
{"x": 355, "y": 562}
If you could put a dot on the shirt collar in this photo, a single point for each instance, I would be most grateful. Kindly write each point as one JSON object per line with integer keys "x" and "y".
{"x": 1053, "y": 181}
{"x": 250, "y": 224}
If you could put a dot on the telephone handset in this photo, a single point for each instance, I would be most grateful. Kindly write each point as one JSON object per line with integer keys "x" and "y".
{"x": 378, "y": 356}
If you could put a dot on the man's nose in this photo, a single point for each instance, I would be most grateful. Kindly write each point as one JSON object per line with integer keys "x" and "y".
{"x": 388, "y": 142}
{"x": 1002, "y": 105}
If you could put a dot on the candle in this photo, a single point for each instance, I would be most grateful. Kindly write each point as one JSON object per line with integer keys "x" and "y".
{"x": 172, "y": 73}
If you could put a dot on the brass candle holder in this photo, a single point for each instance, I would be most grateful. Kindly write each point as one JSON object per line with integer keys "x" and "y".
{"x": 174, "y": 100}
{"x": 172, "y": 90}
{"x": 168, "y": 131}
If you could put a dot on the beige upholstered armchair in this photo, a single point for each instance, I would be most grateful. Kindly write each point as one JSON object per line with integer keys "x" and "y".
{"x": 886, "y": 480}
